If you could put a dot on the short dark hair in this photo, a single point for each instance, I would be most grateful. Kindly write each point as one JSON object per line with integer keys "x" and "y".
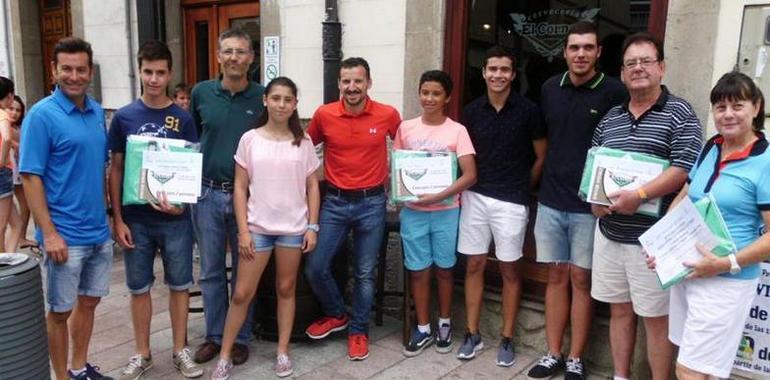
{"x": 6, "y": 87}
{"x": 439, "y": 77}
{"x": 181, "y": 87}
{"x": 582, "y": 27}
{"x": 352, "y": 62}
{"x": 498, "y": 51}
{"x": 642, "y": 37}
{"x": 154, "y": 50}
{"x": 736, "y": 86}
{"x": 73, "y": 45}
{"x": 234, "y": 33}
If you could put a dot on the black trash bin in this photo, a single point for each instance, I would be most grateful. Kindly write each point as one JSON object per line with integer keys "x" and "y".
{"x": 23, "y": 336}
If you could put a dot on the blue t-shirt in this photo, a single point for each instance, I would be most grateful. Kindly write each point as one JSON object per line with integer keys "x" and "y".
{"x": 741, "y": 187}
{"x": 67, "y": 148}
{"x": 136, "y": 118}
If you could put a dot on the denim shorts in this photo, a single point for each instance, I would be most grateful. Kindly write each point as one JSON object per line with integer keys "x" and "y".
{"x": 174, "y": 239}
{"x": 429, "y": 237}
{"x": 564, "y": 237}
{"x": 86, "y": 272}
{"x": 6, "y": 182}
{"x": 263, "y": 242}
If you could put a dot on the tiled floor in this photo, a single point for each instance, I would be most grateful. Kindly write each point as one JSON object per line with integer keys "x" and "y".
{"x": 112, "y": 344}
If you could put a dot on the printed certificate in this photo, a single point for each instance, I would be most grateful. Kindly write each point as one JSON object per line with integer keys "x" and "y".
{"x": 157, "y": 164}
{"x": 414, "y": 173}
{"x": 672, "y": 239}
{"x": 178, "y": 174}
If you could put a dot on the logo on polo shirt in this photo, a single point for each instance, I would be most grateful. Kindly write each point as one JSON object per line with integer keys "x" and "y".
{"x": 249, "y": 112}
{"x": 593, "y": 111}
{"x": 372, "y": 131}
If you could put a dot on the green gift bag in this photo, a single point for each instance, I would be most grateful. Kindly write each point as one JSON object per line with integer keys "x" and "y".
{"x": 595, "y": 178}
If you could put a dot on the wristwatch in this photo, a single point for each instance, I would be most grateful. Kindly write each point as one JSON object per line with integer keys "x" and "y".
{"x": 734, "y": 267}
{"x": 313, "y": 227}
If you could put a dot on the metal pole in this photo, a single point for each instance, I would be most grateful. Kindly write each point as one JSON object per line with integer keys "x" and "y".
{"x": 332, "y": 51}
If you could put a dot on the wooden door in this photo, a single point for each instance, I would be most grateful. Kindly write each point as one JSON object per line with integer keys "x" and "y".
{"x": 204, "y": 21}
{"x": 55, "y": 24}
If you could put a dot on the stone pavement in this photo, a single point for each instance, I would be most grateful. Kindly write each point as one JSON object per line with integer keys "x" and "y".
{"x": 112, "y": 344}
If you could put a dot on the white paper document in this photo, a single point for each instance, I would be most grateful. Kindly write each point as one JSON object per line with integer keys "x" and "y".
{"x": 672, "y": 241}
{"x": 178, "y": 174}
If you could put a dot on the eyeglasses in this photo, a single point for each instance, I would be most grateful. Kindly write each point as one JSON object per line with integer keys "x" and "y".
{"x": 227, "y": 53}
{"x": 644, "y": 62}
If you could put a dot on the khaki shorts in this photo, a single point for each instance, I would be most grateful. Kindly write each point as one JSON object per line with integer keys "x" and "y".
{"x": 483, "y": 218}
{"x": 620, "y": 275}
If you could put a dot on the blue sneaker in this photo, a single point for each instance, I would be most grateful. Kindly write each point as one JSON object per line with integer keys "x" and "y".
{"x": 471, "y": 345}
{"x": 419, "y": 341}
{"x": 506, "y": 356}
{"x": 91, "y": 373}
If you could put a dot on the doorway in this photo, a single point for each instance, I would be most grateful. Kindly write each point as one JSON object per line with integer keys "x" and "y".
{"x": 55, "y": 24}
{"x": 204, "y": 22}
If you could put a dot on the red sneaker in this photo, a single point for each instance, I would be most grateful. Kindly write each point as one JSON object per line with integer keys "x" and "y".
{"x": 326, "y": 325}
{"x": 358, "y": 347}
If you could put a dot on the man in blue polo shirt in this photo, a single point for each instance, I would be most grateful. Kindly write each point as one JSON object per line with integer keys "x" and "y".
{"x": 63, "y": 158}
{"x": 507, "y": 132}
{"x": 573, "y": 102}
{"x": 223, "y": 109}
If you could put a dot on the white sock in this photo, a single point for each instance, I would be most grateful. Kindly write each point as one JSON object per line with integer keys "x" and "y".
{"x": 78, "y": 371}
{"x": 425, "y": 329}
{"x": 619, "y": 378}
{"x": 444, "y": 321}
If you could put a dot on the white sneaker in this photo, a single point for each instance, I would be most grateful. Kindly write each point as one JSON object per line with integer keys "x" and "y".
{"x": 137, "y": 365}
{"x": 186, "y": 366}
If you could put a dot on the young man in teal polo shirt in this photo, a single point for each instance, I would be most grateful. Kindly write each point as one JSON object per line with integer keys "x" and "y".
{"x": 63, "y": 159}
{"x": 223, "y": 109}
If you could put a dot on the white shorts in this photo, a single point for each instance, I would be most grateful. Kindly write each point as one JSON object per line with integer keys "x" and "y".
{"x": 483, "y": 218}
{"x": 706, "y": 321}
{"x": 620, "y": 275}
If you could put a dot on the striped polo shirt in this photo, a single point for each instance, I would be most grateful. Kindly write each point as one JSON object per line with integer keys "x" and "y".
{"x": 668, "y": 130}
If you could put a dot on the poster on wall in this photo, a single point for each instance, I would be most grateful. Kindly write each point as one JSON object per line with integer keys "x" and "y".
{"x": 754, "y": 351}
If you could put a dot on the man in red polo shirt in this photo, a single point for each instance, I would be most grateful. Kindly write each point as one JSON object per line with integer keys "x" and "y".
{"x": 353, "y": 132}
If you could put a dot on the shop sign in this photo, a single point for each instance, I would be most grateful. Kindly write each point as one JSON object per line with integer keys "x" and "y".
{"x": 548, "y": 38}
{"x": 754, "y": 351}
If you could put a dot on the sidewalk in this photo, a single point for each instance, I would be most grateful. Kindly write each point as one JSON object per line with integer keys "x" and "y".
{"x": 112, "y": 344}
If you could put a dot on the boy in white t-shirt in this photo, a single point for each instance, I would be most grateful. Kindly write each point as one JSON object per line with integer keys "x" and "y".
{"x": 429, "y": 225}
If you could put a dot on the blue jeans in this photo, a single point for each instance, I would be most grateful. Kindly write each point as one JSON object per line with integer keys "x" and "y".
{"x": 564, "y": 237}
{"x": 366, "y": 217}
{"x": 174, "y": 238}
{"x": 86, "y": 272}
{"x": 214, "y": 223}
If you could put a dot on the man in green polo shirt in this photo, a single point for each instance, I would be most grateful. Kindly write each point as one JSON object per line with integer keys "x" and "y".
{"x": 223, "y": 109}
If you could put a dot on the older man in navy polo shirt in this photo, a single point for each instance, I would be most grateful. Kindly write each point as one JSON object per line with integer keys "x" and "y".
{"x": 655, "y": 122}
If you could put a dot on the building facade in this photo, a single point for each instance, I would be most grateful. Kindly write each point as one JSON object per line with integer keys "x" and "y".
{"x": 400, "y": 38}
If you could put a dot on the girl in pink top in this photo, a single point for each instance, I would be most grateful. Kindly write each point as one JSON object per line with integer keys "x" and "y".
{"x": 276, "y": 201}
